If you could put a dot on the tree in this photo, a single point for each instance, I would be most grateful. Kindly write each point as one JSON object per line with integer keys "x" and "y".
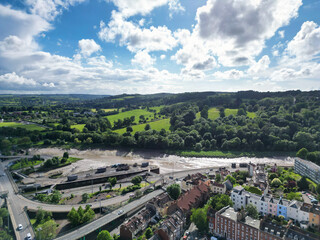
{"x": 272, "y": 176}
{"x": 204, "y": 112}
{"x": 112, "y": 181}
{"x": 48, "y": 230}
{"x": 252, "y": 211}
{"x": 148, "y": 233}
{"x": 73, "y": 217}
{"x": 199, "y": 218}
{"x": 174, "y": 191}
{"x": 136, "y": 180}
{"x": 302, "y": 153}
{"x": 220, "y": 201}
{"x": 303, "y": 184}
{"x": 147, "y": 127}
{"x": 318, "y": 188}
{"x": 85, "y": 197}
{"x": 221, "y": 112}
{"x": 42, "y": 216}
{"x": 104, "y": 235}
{"x": 232, "y": 179}
{"x": 276, "y": 182}
{"x": 218, "y": 177}
{"x": 4, "y": 212}
{"x": 66, "y": 155}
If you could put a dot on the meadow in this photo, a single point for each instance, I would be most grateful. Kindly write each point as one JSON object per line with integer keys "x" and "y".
{"x": 78, "y": 126}
{"x": 156, "y": 125}
{"x": 213, "y": 113}
{"x": 149, "y": 116}
{"x": 30, "y": 127}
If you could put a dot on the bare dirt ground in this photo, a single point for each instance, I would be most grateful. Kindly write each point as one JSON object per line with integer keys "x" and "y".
{"x": 93, "y": 159}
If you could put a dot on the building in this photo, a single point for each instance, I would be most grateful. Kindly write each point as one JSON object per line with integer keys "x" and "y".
{"x": 308, "y": 169}
{"x": 218, "y": 188}
{"x": 313, "y": 212}
{"x": 211, "y": 215}
{"x": 172, "y": 227}
{"x": 239, "y": 197}
{"x": 160, "y": 203}
{"x": 234, "y": 225}
{"x": 136, "y": 224}
{"x": 193, "y": 198}
{"x": 270, "y": 231}
{"x": 299, "y": 234}
{"x": 282, "y": 208}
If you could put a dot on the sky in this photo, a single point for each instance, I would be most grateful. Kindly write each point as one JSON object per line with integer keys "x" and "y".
{"x": 150, "y": 46}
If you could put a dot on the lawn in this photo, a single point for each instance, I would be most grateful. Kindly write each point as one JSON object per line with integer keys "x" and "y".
{"x": 78, "y": 126}
{"x": 213, "y": 113}
{"x": 156, "y": 125}
{"x": 158, "y": 108}
{"x": 30, "y": 163}
{"x": 136, "y": 112}
{"x": 30, "y": 127}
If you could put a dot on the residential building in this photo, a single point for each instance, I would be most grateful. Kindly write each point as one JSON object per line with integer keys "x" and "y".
{"x": 172, "y": 227}
{"x": 211, "y": 215}
{"x": 314, "y": 214}
{"x": 239, "y": 197}
{"x": 270, "y": 231}
{"x": 282, "y": 208}
{"x": 308, "y": 169}
{"x": 161, "y": 203}
{"x": 296, "y": 233}
{"x": 236, "y": 225}
{"x": 272, "y": 206}
{"x": 193, "y": 198}
{"x": 228, "y": 184}
{"x": 218, "y": 188}
{"x": 136, "y": 224}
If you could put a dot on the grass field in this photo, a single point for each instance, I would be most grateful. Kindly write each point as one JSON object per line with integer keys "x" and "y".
{"x": 78, "y": 126}
{"x": 137, "y": 113}
{"x": 156, "y": 125}
{"x": 106, "y": 109}
{"x": 213, "y": 113}
{"x": 30, "y": 127}
{"x": 158, "y": 108}
{"x": 17, "y": 165}
{"x": 230, "y": 154}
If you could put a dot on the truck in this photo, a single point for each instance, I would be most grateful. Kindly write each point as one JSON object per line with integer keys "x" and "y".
{"x": 145, "y": 164}
{"x": 72, "y": 178}
{"x": 101, "y": 170}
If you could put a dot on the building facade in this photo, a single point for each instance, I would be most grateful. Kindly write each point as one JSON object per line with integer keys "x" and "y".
{"x": 308, "y": 169}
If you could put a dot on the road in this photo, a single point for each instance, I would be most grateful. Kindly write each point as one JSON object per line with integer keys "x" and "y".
{"x": 90, "y": 227}
{"x": 18, "y": 215}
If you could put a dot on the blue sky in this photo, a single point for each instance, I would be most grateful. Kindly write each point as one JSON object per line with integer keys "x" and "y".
{"x": 143, "y": 46}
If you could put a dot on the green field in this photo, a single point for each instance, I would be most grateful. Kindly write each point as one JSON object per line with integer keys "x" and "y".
{"x": 30, "y": 163}
{"x": 137, "y": 113}
{"x": 213, "y": 113}
{"x": 78, "y": 126}
{"x": 156, "y": 125}
{"x": 158, "y": 108}
{"x": 30, "y": 127}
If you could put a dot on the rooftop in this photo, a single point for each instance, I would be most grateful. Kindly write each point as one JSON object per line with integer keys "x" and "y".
{"x": 309, "y": 164}
{"x": 229, "y": 213}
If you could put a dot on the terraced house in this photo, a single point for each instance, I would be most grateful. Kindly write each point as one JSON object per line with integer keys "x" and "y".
{"x": 305, "y": 214}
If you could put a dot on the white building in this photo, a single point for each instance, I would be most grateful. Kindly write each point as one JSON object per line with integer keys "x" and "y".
{"x": 308, "y": 169}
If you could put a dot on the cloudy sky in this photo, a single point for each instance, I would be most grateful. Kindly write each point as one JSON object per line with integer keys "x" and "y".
{"x": 150, "y": 46}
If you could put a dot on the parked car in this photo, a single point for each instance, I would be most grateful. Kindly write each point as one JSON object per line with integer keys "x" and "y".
{"x": 29, "y": 237}
{"x": 20, "y": 227}
{"x": 120, "y": 212}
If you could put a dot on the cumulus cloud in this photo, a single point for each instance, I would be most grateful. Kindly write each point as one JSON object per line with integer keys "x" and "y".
{"x": 305, "y": 44}
{"x": 49, "y": 9}
{"x": 143, "y": 59}
{"x": 260, "y": 66}
{"x": 88, "y": 47}
{"x": 20, "y": 24}
{"x": 235, "y": 31}
{"x": 281, "y": 34}
{"x": 162, "y": 57}
{"x": 134, "y": 37}
{"x": 230, "y": 74}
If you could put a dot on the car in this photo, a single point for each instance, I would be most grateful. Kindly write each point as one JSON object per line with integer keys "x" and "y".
{"x": 187, "y": 233}
{"x": 131, "y": 195}
{"x": 20, "y": 227}
{"x": 29, "y": 237}
{"x": 120, "y": 212}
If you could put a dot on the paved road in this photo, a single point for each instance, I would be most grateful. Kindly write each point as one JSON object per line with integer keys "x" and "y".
{"x": 83, "y": 231}
{"x": 18, "y": 214}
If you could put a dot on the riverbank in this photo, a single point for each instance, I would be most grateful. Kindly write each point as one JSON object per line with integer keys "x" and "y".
{"x": 93, "y": 158}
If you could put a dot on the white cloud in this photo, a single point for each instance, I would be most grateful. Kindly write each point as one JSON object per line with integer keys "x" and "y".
{"x": 230, "y": 74}
{"x": 49, "y": 9}
{"x": 50, "y": 85}
{"x": 143, "y": 59}
{"x": 88, "y": 47}
{"x": 260, "y": 66}
{"x": 134, "y": 37}
{"x": 162, "y": 57}
{"x": 235, "y": 31}
{"x": 13, "y": 78}
{"x": 175, "y": 6}
{"x": 20, "y": 24}
{"x": 281, "y": 34}
{"x": 141, "y": 22}
{"x": 130, "y": 8}
{"x": 306, "y": 44}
